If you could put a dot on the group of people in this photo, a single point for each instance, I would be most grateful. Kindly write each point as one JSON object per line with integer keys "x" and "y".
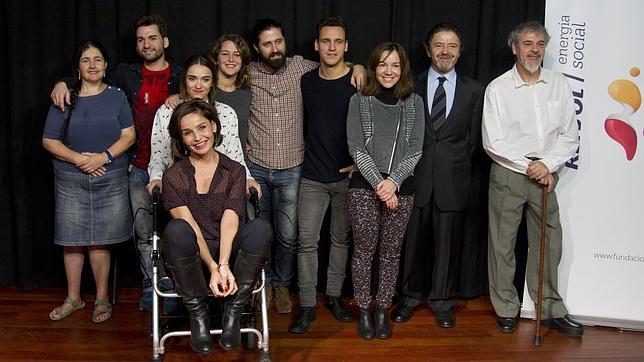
{"x": 391, "y": 157}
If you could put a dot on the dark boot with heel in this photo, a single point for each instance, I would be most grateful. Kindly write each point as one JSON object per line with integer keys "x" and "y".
{"x": 190, "y": 284}
{"x": 381, "y": 322}
{"x": 365, "y": 324}
{"x": 247, "y": 271}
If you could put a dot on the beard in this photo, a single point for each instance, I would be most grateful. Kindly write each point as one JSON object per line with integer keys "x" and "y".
{"x": 532, "y": 68}
{"x": 443, "y": 66}
{"x": 151, "y": 58}
{"x": 275, "y": 63}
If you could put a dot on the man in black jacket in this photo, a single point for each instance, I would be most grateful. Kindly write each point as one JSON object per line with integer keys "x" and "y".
{"x": 146, "y": 84}
{"x": 432, "y": 251}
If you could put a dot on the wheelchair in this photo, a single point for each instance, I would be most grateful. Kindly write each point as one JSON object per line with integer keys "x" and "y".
{"x": 254, "y": 337}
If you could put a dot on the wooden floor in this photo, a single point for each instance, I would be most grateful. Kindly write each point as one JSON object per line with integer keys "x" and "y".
{"x": 27, "y": 334}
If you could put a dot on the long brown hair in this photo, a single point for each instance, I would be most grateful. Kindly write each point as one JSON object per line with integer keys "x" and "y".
{"x": 198, "y": 59}
{"x": 405, "y": 86}
{"x": 243, "y": 77}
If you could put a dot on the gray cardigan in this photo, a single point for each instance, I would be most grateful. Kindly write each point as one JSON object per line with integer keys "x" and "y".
{"x": 385, "y": 138}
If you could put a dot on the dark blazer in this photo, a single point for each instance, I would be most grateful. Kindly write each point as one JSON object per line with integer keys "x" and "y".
{"x": 445, "y": 167}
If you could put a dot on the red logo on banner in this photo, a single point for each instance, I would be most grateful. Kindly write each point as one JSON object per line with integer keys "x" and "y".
{"x": 618, "y": 126}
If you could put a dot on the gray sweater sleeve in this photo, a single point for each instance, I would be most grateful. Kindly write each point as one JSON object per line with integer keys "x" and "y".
{"x": 357, "y": 144}
{"x": 414, "y": 137}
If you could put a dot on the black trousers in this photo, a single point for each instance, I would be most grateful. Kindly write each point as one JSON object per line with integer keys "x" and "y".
{"x": 432, "y": 257}
{"x": 180, "y": 240}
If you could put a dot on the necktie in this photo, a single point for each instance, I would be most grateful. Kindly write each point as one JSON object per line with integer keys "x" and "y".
{"x": 439, "y": 104}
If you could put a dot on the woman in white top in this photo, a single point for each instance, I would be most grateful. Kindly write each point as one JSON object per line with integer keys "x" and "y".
{"x": 197, "y": 82}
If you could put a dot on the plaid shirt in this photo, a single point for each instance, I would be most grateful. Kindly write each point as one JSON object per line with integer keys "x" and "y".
{"x": 275, "y": 125}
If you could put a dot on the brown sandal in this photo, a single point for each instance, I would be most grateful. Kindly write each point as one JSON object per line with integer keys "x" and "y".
{"x": 68, "y": 307}
{"x": 102, "y": 311}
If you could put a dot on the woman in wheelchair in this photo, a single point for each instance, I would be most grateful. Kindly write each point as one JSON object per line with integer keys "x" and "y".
{"x": 204, "y": 192}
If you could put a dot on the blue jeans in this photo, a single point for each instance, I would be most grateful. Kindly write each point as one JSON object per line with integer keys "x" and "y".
{"x": 314, "y": 200}
{"x": 141, "y": 200}
{"x": 279, "y": 195}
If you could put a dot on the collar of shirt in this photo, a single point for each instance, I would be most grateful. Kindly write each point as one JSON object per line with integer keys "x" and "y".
{"x": 189, "y": 169}
{"x": 518, "y": 81}
{"x": 449, "y": 85}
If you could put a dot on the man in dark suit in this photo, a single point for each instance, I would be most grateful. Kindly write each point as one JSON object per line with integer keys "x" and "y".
{"x": 432, "y": 251}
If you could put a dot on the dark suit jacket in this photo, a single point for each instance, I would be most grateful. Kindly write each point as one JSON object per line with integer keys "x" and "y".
{"x": 446, "y": 164}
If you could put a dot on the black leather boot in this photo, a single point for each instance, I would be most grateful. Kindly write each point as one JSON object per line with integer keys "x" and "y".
{"x": 305, "y": 316}
{"x": 365, "y": 324}
{"x": 247, "y": 270}
{"x": 337, "y": 308}
{"x": 381, "y": 321}
{"x": 190, "y": 283}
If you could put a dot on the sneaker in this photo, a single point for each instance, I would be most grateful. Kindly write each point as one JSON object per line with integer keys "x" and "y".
{"x": 283, "y": 300}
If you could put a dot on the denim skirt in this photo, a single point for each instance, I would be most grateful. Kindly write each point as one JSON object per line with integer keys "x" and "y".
{"x": 92, "y": 210}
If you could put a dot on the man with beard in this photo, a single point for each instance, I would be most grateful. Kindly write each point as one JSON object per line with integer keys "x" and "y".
{"x": 326, "y": 171}
{"x": 442, "y": 177}
{"x": 529, "y": 131}
{"x": 276, "y": 146}
{"x": 146, "y": 84}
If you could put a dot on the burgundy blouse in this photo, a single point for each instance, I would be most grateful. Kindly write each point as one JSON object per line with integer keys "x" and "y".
{"x": 227, "y": 191}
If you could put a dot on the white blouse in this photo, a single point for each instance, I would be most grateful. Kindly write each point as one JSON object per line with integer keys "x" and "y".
{"x": 161, "y": 153}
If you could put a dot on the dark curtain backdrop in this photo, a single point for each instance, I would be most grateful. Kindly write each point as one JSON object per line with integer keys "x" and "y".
{"x": 38, "y": 38}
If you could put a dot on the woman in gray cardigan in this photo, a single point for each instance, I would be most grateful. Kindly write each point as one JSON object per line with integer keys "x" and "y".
{"x": 385, "y": 128}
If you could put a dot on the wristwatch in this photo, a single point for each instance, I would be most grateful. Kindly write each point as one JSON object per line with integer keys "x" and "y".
{"x": 109, "y": 157}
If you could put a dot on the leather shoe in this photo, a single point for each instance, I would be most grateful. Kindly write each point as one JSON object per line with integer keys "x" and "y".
{"x": 402, "y": 313}
{"x": 337, "y": 308}
{"x": 506, "y": 325}
{"x": 365, "y": 324}
{"x": 445, "y": 318}
{"x": 565, "y": 325}
{"x": 305, "y": 316}
{"x": 381, "y": 321}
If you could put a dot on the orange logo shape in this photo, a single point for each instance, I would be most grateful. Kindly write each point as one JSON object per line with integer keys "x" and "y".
{"x": 617, "y": 126}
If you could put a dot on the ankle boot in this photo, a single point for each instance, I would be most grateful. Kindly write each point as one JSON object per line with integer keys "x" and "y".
{"x": 365, "y": 324}
{"x": 191, "y": 285}
{"x": 247, "y": 270}
{"x": 381, "y": 321}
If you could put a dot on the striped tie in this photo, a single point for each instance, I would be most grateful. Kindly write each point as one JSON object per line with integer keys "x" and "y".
{"x": 439, "y": 105}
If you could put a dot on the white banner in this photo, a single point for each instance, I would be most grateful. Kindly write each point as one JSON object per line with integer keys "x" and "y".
{"x": 597, "y": 45}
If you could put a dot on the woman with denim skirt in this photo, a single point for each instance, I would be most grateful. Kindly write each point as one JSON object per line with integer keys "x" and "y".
{"x": 88, "y": 142}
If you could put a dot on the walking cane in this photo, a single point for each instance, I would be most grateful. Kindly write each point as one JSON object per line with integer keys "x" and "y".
{"x": 542, "y": 247}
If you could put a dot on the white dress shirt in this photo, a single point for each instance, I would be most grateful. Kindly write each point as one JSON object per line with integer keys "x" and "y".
{"x": 534, "y": 120}
{"x": 161, "y": 153}
{"x": 449, "y": 85}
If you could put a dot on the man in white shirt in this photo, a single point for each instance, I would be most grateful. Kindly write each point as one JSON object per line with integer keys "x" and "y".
{"x": 529, "y": 130}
